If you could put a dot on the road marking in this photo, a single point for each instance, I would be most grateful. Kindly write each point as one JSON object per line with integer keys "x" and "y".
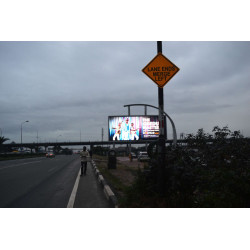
{"x": 73, "y": 194}
{"x": 51, "y": 170}
{"x": 11, "y": 166}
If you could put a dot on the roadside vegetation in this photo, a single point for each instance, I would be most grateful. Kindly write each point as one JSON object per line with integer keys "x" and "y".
{"x": 209, "y": 171}
{"x": 201, "y": 174}
{"x": 3, "y": 139}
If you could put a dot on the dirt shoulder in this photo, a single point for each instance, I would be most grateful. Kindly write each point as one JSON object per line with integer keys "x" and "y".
{"x": 121, "y": 177}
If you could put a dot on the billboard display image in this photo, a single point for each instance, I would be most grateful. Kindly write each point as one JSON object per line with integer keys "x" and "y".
{"x": 130, "y": 128}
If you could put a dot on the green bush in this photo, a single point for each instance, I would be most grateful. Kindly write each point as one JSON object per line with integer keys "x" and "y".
{"x": 211, "y": 171}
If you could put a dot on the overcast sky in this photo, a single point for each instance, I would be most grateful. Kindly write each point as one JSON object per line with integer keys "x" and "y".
{"x": 64, "y": 88}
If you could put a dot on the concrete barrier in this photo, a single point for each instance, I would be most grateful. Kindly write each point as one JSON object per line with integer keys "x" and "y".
{"x": 106, "y": 188}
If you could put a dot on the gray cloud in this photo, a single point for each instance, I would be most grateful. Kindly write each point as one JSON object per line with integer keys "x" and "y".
{"x": 65, "y": 87}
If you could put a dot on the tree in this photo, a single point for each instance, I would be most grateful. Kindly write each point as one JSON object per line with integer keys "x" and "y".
{"x": 3, "y": 139}
{"x": 221, "y": 133}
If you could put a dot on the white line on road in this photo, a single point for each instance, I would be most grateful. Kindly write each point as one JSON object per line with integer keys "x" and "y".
{"x": 73, "y": 194}
{"x": 51, "y": 169}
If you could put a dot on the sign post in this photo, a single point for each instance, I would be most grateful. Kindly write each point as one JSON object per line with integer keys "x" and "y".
{"x": 161, "y": 70}
{"x": 161, "y": 159}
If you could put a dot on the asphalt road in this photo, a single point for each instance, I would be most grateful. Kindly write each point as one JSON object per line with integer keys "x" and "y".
{"x": 38, "y": 182}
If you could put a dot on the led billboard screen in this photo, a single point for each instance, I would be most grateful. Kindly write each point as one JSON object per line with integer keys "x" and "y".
{"x": 123, "y": 128}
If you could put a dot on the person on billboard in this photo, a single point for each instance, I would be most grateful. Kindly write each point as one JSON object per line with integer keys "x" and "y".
{"x": 117, "y": 132}
{"x": 126, "y": 130}
{"x": 133, "y": 134}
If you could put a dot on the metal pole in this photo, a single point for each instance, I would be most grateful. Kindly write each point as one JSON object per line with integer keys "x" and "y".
{"x": 130, "y": 143}
{"x": 57, "y": 137}
{"x": 102, "y": 136}
{"x": 22, "y": 133}
{"x": 161, "y": 156}
{"x": 171, "y": 121}
{"x": 145, "y": 113}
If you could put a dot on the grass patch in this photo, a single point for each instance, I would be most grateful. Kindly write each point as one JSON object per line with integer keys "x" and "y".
{"x": 120, "y": 178}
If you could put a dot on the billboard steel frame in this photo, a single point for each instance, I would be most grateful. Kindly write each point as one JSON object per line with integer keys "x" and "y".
{"x": 145, "y": 113}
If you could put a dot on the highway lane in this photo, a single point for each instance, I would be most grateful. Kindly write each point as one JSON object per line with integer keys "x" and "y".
{"x": 38, "y": 182}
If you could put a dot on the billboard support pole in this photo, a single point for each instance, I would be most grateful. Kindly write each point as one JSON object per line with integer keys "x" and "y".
{"x": 129, "y": 143}
{"x": 161, "y": 156}
{"x": 145, "y": 113}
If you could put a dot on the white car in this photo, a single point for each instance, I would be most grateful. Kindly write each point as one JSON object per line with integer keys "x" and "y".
{"x": 143, "y": 156}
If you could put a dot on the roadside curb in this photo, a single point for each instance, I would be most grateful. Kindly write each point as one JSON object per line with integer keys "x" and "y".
{"x": 106, "y": 188}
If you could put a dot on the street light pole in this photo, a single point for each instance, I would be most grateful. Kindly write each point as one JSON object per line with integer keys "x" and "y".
{"x": 37, "y": 136}
{"x": 22, "y": 133}
{"x": 102, "y": 136}
{"x": 57, "y": 137}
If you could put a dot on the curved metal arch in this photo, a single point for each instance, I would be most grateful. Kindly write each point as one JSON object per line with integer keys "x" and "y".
{"x": 171, "y": 121}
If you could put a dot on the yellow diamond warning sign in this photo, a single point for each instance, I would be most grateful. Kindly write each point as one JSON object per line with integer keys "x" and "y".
{"x": 160, "y": 70}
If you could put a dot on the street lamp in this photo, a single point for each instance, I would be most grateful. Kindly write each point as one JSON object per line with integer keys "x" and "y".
{"x": 22, "y": 132}
{"x": 37, "y": 137}
{"x": 57, "y": 137}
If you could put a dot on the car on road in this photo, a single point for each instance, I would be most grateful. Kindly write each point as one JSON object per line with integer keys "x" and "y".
{"x": 50, "y": 155}
{"x": 143, "y": 156}
{"x": 133, "y": 155}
